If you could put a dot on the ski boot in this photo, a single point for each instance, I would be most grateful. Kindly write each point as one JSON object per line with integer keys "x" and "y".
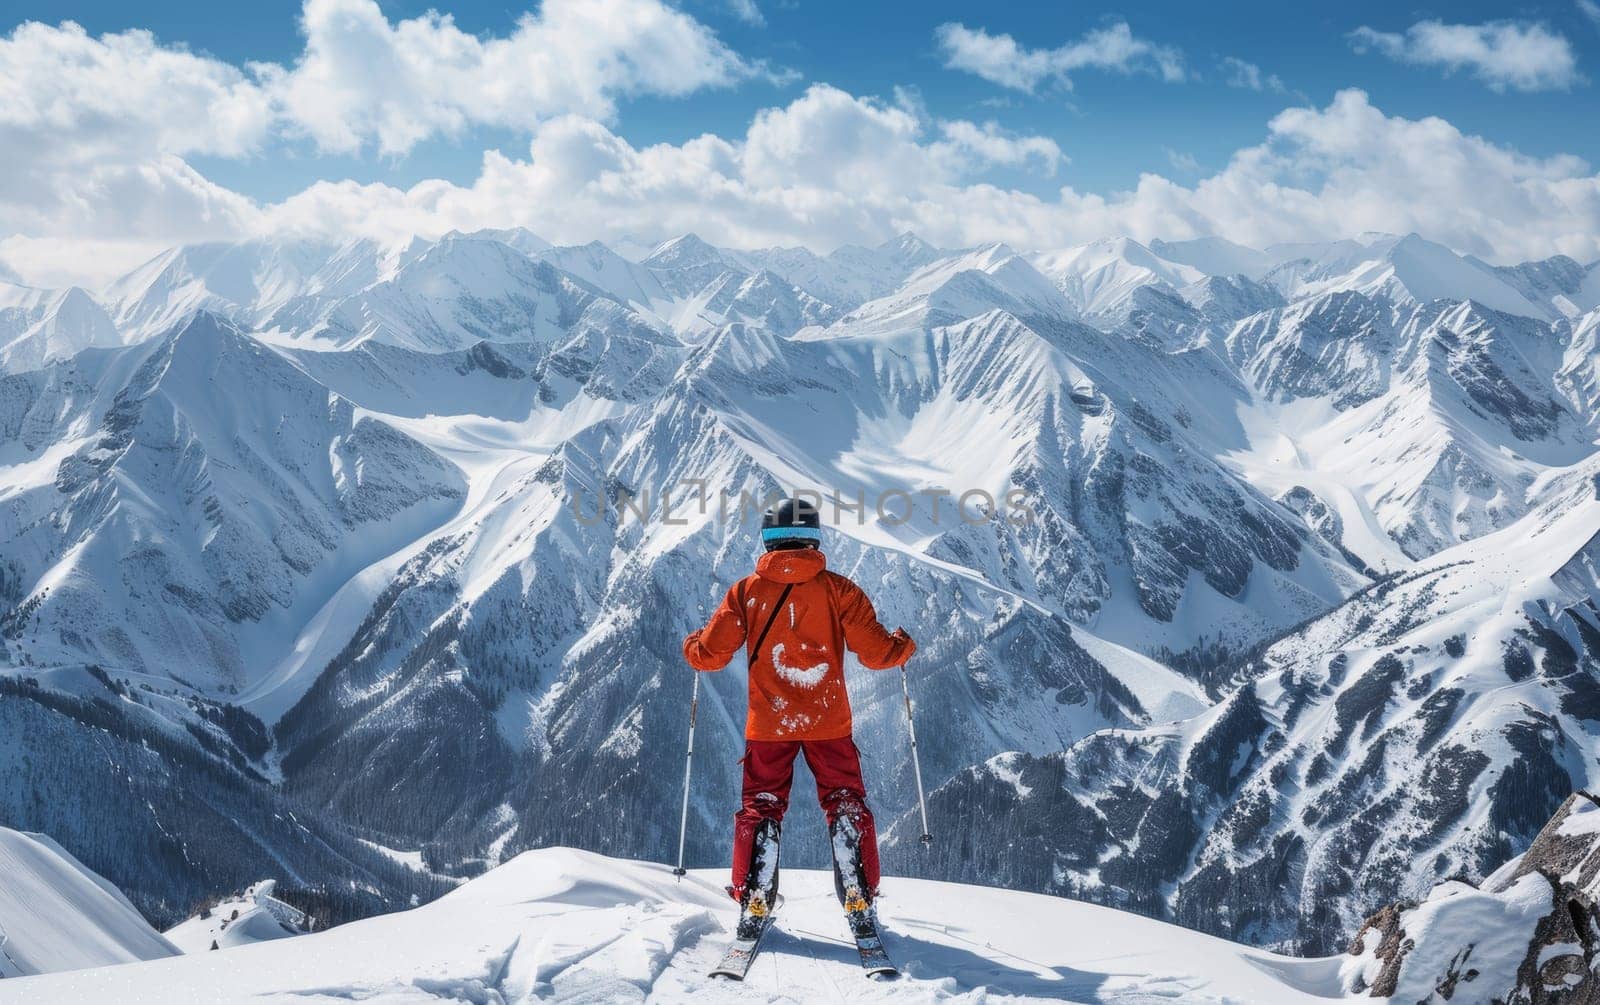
{"x": 856, "y": 897}
{"x": 757, "y": 901}
{"x": 759, "y": 898}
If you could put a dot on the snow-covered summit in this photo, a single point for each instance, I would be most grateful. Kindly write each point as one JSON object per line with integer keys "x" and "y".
{"x": 564, "y": 925}
{"x": 1099, "y": 277}
{"x": 1215, "y": 256}
{"x": 684, "y": 252}
{"x": 956, "y": 288}
{"x": 1406, "y": 270}
{"x": 39, "y": 326}
{"x": 520, "y": 238}
{"x": 337, "y": 293}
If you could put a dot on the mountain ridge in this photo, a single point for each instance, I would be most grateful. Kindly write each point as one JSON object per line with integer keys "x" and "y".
{"x": 349, "y": 524}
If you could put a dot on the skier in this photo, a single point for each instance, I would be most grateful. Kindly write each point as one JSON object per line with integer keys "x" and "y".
{"x": 794, "y": 618}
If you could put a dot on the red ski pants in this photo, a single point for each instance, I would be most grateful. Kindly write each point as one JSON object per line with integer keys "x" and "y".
{"x": 768, "y": 773}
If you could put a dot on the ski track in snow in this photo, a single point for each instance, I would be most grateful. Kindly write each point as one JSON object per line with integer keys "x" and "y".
{"x": 560, "y": 925}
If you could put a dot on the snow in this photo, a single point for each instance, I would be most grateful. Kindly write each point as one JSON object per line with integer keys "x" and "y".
{"x": 234, "y": 921}
{"x": 488, "y": 366}
{"x": 953, "y": 288}
{"x": 1099, "y": 277}
{"x": 1005, "y": 768}
{"x": 1493, "y": 930}
{"x": 1306, "y": 443}
{"x": 564, "y": 925}
{"x": 39, "y": 326}
{"x": 55, "y": 914}
{"x": 1583, "y": 821}
{"x": 410, "y": 859}
{"x": 1167, "y": 696}
{"x": 597, "y": 264}
{"x": 1215, "y": 256}
{"x": 1406, "y": 268}
{"x": 802, "y": 677}
{"x": 521, "y": 238}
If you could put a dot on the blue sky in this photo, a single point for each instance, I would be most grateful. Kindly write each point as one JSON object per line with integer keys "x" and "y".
{"x": 1209, "y": 82}
{"x": 1112, "y": 126}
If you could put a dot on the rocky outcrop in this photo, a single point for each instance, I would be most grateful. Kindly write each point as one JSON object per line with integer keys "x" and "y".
{"x": 1529, "y": 935}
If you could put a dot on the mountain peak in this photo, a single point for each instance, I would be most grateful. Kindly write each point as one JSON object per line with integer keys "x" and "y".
{"x": 907, "y": 246}
{"x": 204, "y": 328}
{"x": 1412, "y": 243}
{"x": 1215, "y": 256}
{"x": 520, "y": 238}
{"x": 994, "y": 251}
{"x": 681, "y": 252}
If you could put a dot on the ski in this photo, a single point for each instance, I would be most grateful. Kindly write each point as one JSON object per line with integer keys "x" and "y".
{"x": 754, "y": 921}
{"x": 741, "y": 952}
{"x": 875, "y": 961}
{"x": 850, "y": 882}
{"x": 758, "y": 903}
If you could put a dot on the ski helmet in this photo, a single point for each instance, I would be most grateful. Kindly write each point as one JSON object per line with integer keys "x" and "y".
{"x": 792, "y": 523}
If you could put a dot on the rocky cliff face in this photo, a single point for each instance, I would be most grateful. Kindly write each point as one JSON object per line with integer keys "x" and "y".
{"x": 1528, "y": 935}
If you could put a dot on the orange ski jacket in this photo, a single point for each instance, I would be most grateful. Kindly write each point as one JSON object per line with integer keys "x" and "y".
{"x": 797, "y": 689}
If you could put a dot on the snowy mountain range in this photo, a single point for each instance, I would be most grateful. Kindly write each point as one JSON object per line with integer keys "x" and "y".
{"x": 310, "y": 553}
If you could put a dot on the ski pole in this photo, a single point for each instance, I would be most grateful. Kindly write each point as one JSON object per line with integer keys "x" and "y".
{"x": 688, "y": 765}
{"x": 916, "y": 762}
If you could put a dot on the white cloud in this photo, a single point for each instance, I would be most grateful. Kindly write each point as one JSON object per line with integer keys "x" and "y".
{"x": 363, "y": 79}
{"x": 1521, "y": 56}
{"x": 992, "y": 145}
{"x": 999, "y": 59}
{"x": 1590, "y": 10}
{"x": 747, "y": 11}
{"x": 52, "y": 262}
{"x": 1319, "y": 174}
{"x": 123, "y": 90}
{"x": 1250, "y": 77}
{"x": 830, "y": 139}
{"x": 1181, "y": 161}
{"x": 1349, "y": 168}
{"x": 98, "y": 124}
{"x": 827, "y": 168}
{"x": 94, "y": 128}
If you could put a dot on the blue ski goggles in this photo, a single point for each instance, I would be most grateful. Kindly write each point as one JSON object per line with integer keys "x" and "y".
{"x": 790, "y": 534}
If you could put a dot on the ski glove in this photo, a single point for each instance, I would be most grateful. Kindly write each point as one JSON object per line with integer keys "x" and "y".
{"x": 902, "y": 638}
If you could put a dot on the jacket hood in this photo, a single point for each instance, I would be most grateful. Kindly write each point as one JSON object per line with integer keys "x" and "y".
{"x": 797, "y": 565}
